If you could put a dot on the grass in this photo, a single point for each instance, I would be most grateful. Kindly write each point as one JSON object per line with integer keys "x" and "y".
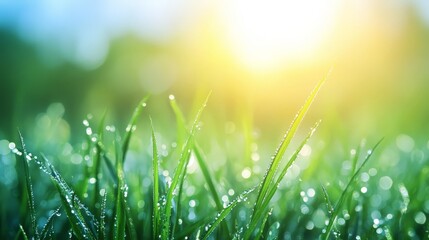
{"x": 134, "y": 196}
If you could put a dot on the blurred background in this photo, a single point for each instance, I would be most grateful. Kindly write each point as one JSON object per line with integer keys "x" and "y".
{"x": 260, "y": 59}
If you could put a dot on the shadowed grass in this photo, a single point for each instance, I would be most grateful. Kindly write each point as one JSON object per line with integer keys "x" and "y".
{"x": 72, "y": 206}
{"x": 49, "y": 224}
{"x": 29, "y": 188}
{"x": 21, "y": 231}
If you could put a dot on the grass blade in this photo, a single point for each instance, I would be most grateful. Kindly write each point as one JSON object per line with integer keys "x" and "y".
{"x": 337, "y": 208}
{"x": 155, "y": 174}
{"x": 224, "y": 213}
{"x": 264, "y": 222}
{"x": 273, "y": 188}
{"x": 21, "y": 231}
{"x": 97, "y": 161}
{"x": 120, "y": 219}
{"x": 207, "y": 176}
{"x": 131, "y": 127}
{"x": 181, "y": 122}
{"x": 198, "y": 155}
{"x": 72, "y": 206}
{"x": 109, "y": 164}
{"x": 179, "y": 172}
{"x": 283, "y": 146}
{"x": 29, "y": 187}
{"x": 102, "y": 230}
{"x": 181, "y": 130}
{"x": 48, "y": 223}
{"x": 327, "y": 201}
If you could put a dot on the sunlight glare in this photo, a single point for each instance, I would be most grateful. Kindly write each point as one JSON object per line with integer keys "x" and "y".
{"x": 266, "y": 34}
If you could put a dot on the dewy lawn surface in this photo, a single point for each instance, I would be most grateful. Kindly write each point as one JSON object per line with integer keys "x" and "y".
{"x": 113, "y": 187}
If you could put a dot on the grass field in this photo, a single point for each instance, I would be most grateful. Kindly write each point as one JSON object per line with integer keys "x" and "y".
{"x": 194, "y": 180}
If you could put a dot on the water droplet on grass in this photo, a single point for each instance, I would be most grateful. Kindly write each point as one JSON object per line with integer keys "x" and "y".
{"x": 12, "y": 146}
{"x": 246, "y": 173}
{"x": 92, "y": 180}
{"x": 85, "y": 123}
{"x": 231, "y": 192}
{"x": 311, "y": 192}
{"x": 420, "y": 218}
{"x": 385, "y": 183}
{"x": 192, "y": 203}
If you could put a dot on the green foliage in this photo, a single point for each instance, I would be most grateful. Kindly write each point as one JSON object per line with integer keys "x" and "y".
{"x": 106, "y": 197}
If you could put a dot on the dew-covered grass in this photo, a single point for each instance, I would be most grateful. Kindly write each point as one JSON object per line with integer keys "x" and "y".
{"x": 183, "y": 181}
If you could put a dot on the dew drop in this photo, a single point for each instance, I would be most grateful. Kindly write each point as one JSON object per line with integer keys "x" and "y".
{"x": 246, "y": 173}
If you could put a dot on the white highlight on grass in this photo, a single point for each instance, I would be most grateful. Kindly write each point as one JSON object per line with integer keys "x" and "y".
{"x": 311, "y": 192}
{"x": 364, "y": 190}
{"x": 192, "y": 203}
{"x": 305, "y": 151}
{"x": 246, "y": 173}
{"x": 231, "y": 192}
{"x": 420, "y": 218}
{"x": 12, "y": 145}
{"x": 405, "y": 143}
{"x": 385, "y": 182}
{"x": 364, "y": 177}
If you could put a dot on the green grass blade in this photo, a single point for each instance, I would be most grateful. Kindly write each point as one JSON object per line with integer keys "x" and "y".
{"x": 109, "y": 164}
{"x": 120, "y": 219}
{"x": 132, "y": 126}
{"x": 129, "y": 220}
{"x": 72, "y": 206}
{"x": 29, "y": 187}
{"x": 181, "y": 123}
{"x": 179, "y": 202}
{"x": 179, "y": 172}
{"x": 97, "y": 161}
{"x": 327, "y": 201}
{"x": 181, "y": 130}
{"x": 102, "y": 230}
{"x": 339, "y": 204}
{"x": 264, "y": 222}
{"x": 224, "y": 213}
{"x": 355, "y": 159}
{"x": 268, "y": 178}
{"x": 192, "y": 229}
{"x": 21, "y": 231}
{"x": 155, "y": 175}
{"x": 207, "y": 176}
{"x": 198, "y": 154}
{"x": 79, "y": 227}
{"x": 273, "y": 188}
{"x": 48, "y": 224}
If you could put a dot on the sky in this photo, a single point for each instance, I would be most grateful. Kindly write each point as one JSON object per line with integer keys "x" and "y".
{"x": 82, "y": 31}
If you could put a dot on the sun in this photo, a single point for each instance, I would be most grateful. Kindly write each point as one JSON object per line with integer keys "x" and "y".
{"x": 267, "y": 34}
